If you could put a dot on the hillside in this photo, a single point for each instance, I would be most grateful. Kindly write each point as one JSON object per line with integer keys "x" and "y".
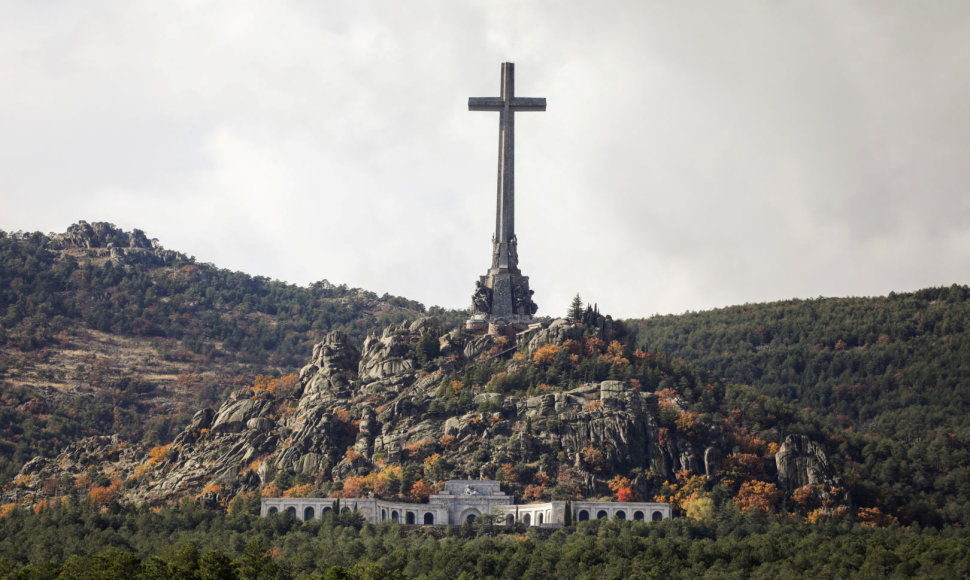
{"x": 110, "y": 344}
{"x": 104, "y": 331}
{"x": 149, "y": 386}
{"x": 889, "y": 376}
{"x": 564, "y": 410}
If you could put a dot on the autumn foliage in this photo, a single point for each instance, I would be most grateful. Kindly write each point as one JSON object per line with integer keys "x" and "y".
{"x": 757, "y": 496}
{"x": 299, "y": 490}
{"x": 545, "y": 354}
{"x": 103, "y": 495}
{"x": 420, "y": 491}
{"x": 281, "y": 386}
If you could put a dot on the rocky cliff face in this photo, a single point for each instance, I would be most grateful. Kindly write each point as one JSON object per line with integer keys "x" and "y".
{"x": 106, "y": 240}
{"x": 357, "y": 409}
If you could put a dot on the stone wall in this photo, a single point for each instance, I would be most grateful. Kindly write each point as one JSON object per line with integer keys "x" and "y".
{"x": 464, "y": 500}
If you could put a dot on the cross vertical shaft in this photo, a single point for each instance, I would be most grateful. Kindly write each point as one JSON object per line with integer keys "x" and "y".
{"x": 504, "y": 292}
{"x": 506, "y": 105}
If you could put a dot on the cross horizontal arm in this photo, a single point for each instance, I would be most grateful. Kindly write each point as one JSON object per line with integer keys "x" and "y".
{"x": 528, "y": 104}
{"x": 497, "y": 104}
{"x": 485, "y": 104}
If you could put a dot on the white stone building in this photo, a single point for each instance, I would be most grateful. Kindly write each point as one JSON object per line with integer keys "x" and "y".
{"x": 464, "y": 500}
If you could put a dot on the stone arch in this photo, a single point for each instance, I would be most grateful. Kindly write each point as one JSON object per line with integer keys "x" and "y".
{"x": 601, "y": 514}
{"x": 383, "y": 514}
{"x": 527, "y": 519}
{"x": 509, "y": 520}
{"x": 309, "y": 513}
{"x": 395, "y": 517}
{"x": 638, "y": 515}
{"x": 428, "y": 519}
{"x": 325, "y": 510}
{"x": 620, "y": 515}
{"x": 410, "y": 519}
{"x": 541, "y": 518}
{"x": 657, "y": 516}
{"x": 583, "y": 515}
{"x": 291, "y": 510}
{"x": 274, "y": 510}
{"x": 469, "y": 515}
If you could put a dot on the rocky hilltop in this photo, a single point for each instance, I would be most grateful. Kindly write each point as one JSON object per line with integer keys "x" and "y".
{"x": 105, "y": 240}
{"x": 436, "y": 404}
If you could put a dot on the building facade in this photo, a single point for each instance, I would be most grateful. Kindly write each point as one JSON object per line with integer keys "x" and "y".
{"x": 462, "y": 501}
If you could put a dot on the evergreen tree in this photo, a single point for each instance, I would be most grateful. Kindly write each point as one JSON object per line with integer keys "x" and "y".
{"x": 576, "y": 308}
{"x": 255, "y": 563}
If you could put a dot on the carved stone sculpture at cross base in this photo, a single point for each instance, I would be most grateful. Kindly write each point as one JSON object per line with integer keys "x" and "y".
{"x": 502, "y": 296}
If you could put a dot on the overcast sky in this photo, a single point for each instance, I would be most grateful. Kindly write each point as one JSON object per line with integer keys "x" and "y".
{"x": 693, "y": 154}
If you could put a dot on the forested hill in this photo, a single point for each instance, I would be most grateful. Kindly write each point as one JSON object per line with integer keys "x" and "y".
{"x": 892, "y": 372}
{"x": 99, "y": 277}
{"x": 104, "y": 331}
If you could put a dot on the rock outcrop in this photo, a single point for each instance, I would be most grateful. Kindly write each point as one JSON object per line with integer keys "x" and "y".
{"x": 104, "y": 239}
{"x": 357, "y": 409}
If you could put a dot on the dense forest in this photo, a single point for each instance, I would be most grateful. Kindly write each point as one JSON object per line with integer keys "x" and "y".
{"x": 77, "y": 540}
{"x": 888, "y": 377}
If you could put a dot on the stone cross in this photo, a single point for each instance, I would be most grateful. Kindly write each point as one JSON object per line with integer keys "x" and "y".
{"x": 506, "y": 104}
{"x": 503, "y": 294}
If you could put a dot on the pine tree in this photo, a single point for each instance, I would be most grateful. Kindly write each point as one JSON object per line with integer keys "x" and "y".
{"x": 576, "y": 308}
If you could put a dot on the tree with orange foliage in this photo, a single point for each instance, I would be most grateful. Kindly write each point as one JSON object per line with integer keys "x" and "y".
{"x": 593, "y": 457}
{"x": 507, "y": 473}
{"x": 545, "y": 354}
{"x": 689, "y": 486}
{"x": 667, "y": 398}
{"x": 534, "y": 492}
{"x": 287, "y": 385}
{"x": 615, "y": 354}
{"x": 621, "y": 487}
{"x": 594, "y": 345}
{"x": 299, "y": 490}
{"x": 432, "y": 466}
{"x": 157, "y": 454}
{"x": 103, "y": 495}
{"x": 758, "y": 496}
{"x": 420, "y": 491}
{"x": 271, "y": 490}
{"x": 618, "y": 482}
{"x": 354, "y": 486}
{"x": 802, "y": 496}
{"x": 689, "y": 424}
{"x": 873, "y": 517}
{"x": 568, "y": 482}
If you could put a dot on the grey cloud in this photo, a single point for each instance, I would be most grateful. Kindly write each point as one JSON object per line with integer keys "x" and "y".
{"x": 692, "y": 154}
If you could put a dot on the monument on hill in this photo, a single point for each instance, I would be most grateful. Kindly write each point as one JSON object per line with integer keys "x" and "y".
{"x": 503, "y": 295}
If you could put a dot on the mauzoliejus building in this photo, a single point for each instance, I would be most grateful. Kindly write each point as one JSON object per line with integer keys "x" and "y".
{"x": 462, "y": 501}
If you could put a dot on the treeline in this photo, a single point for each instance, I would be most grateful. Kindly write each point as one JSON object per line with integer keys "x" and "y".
{"x": 886, "y": 377}
{"x": 79, "y": 541}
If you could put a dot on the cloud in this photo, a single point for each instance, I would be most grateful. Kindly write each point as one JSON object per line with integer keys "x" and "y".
{"x": 692, "y": 155}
